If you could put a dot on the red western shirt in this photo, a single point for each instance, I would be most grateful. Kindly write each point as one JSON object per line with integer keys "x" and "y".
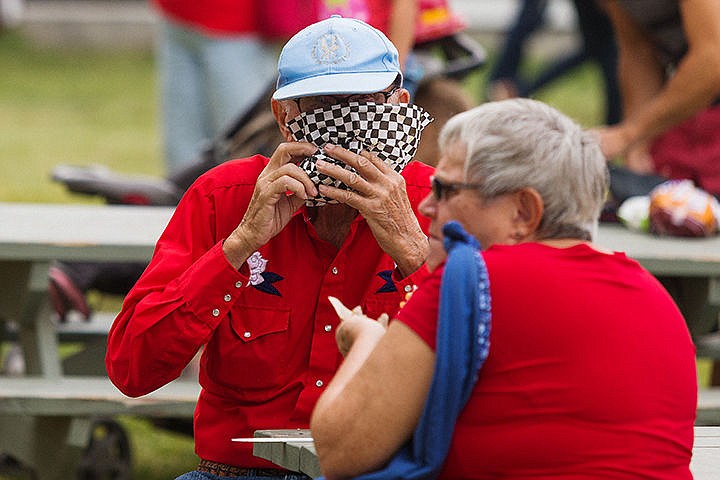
{"x": 268, "y": 329}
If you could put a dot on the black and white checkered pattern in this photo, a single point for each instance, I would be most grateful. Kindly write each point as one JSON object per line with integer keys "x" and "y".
{"x": 391, "y": 132}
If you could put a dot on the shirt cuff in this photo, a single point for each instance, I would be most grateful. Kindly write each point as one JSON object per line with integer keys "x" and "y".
{"x": 212, "y": 286}
{"x": 409, "y": 284}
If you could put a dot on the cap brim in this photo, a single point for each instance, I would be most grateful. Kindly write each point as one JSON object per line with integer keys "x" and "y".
{"x": 337, "y": 84}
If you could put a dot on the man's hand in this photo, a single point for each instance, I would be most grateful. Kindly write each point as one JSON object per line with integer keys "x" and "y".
{"x": 378, "y": 193}
{"x": 280, "y": 190}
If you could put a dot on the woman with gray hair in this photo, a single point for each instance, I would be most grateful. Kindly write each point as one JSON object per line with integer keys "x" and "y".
{"x": 557, "y": 342}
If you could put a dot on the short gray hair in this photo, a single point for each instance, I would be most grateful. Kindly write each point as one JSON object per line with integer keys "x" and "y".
{"x": 520, "y": 143}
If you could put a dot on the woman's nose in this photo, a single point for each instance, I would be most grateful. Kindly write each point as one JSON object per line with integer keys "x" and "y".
{"x": 428, "y": 206}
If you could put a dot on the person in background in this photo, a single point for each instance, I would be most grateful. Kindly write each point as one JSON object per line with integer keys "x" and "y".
{"x": 597, "y": 45}
{"x": 255, "y": 247}
{"x": 569, "y": 386}
{"x": 212, "y": 67}
{"x": 669, "y": 74}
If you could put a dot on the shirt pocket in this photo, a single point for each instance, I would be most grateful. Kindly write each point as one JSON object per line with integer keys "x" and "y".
{"x": 254, "y": 323}
{"x": 249, "y": 354}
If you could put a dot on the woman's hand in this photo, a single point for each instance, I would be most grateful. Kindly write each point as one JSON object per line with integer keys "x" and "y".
{"x": 354, "y": 324}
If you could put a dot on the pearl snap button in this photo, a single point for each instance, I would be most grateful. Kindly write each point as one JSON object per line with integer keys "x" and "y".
{"x": 319, "y": 383}
{"x": 238, "y": 284}
{"x": 247, "y": 334}
{"x": 216, "y": 312}
{"x": 227, "y": 297}
{"x": 328, "y": 328}
{"x": 334, "y": 270}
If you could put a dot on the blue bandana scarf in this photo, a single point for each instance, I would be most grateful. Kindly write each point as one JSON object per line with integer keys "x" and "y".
{"x": 463, "y": 342}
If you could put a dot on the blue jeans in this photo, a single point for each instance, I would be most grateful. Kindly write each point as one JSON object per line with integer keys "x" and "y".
{"x": 206, "y": 82}
{"x": 196, "y": 475}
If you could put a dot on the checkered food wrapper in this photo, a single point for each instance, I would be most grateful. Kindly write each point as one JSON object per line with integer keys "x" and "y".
{"x": 390, "y": 131}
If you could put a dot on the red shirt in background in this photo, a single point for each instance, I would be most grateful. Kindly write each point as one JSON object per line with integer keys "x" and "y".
{"x": 219, "y": 17}
{"x": 591, "y": 372}
{"x": 268, "y": 329}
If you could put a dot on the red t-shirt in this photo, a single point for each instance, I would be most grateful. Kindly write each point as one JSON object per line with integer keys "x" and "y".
{"x": 268, "y": 329}
{"x": 220, "y": 17}
{"x": 591, "y": 371}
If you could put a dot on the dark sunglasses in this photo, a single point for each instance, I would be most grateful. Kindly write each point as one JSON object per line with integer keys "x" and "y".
{"x": 308, "y": 104}
{"x": 444, "y": 190}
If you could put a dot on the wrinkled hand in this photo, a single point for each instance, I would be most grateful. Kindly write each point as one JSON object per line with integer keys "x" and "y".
{"x": 281, "y": 188}
{"x": 378, "y": 192}
{"x": 353, "y": 324}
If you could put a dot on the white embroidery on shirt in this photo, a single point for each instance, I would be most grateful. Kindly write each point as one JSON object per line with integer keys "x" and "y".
{"x": 257, "y": 266}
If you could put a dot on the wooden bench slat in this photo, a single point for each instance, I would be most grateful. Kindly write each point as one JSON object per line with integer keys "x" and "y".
{"x": 91, "y": 396}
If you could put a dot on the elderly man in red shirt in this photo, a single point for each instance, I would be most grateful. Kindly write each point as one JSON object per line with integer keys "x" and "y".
{"x": 256, "y": 246}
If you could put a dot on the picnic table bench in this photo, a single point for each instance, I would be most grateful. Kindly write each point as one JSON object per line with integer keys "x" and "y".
{"x": 50, "y": 424}
{"x": 47, "y": 416}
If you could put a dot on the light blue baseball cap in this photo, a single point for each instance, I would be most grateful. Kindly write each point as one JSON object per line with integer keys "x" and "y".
{"x": 337, "y": 56}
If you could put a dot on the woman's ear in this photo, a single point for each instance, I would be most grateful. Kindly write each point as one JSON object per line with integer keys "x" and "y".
{"x": 529, "y": 210}
{"x": 281, "y": 117}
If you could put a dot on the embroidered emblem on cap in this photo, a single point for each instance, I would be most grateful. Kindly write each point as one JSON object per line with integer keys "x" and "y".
{"x": 330, "y": 48}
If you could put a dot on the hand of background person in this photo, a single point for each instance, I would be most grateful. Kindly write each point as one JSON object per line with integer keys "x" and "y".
{"x": 353, "y": 324}
{"x": 639, "y": 160}
{"x": 614, "y": 141}
{"x": 280, "y": 190}
{"x": 615, "y": 144}
{"x": 378, "y": 193}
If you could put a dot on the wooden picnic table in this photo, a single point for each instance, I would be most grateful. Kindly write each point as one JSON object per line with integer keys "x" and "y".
{"x": 301, "y": 456}
{"x": 46, "y": 417}
{"x": 32, "y": 236}
{"x": 674, "y": 256}
{"x": 688, "y": 267}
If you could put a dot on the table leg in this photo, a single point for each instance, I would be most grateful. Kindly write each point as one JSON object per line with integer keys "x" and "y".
{"x": 691, "y": 294}
{"x": 37, "y": 333}
{"x": 50, "y": 446}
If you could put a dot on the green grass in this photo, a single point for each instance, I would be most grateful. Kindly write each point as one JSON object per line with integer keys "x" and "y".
{"x": 579, "y": 94}
{"x": 74, "y": 107}
{"x": 158, "y": 454}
